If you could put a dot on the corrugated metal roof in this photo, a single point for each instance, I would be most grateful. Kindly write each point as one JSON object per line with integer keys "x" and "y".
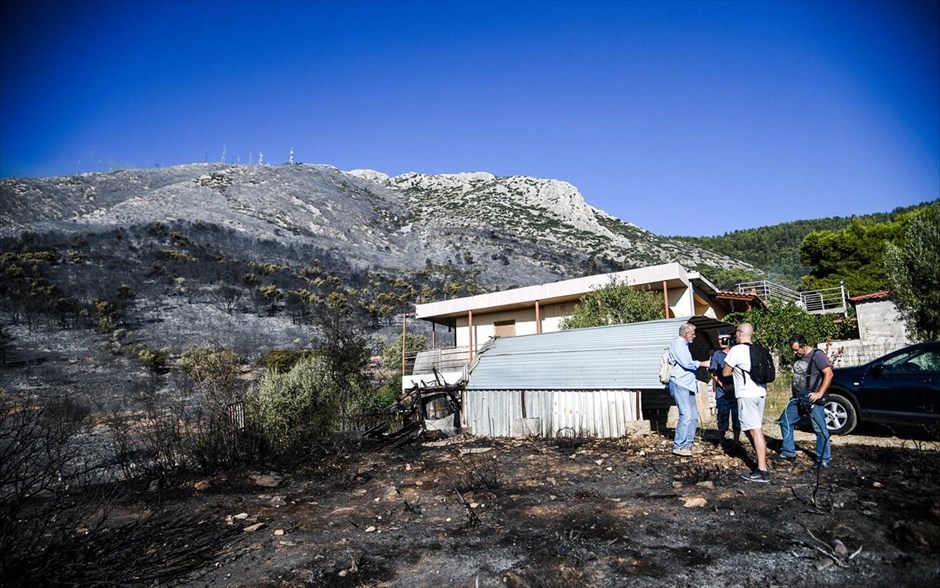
{"x": 601, "y": 358}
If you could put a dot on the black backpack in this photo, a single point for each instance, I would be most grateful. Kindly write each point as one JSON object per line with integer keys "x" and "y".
{"x": 762, "y": 364}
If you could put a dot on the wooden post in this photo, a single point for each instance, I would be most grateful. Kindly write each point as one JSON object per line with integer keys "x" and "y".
{"x": 470, "y": 332}
{"x": 665, "y": 300}
{"x": 404, "y": 321}
{"x": 538, "y": 331}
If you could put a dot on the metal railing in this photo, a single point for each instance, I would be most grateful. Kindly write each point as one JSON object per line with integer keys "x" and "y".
{"x": 814, "y": 301}
{"x": 827, "y": 300}
{"x": 452, "y": 359}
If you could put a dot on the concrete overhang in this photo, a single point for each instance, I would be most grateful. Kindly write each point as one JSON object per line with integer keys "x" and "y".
{"x": 672, "y": 275}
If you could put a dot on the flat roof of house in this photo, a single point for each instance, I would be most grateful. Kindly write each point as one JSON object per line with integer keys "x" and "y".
{"x": 673, "y": 274}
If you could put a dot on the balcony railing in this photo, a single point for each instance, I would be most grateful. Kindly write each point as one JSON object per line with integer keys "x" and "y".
{"x": 453, "y": 359}
{"x": 813, "y": 301}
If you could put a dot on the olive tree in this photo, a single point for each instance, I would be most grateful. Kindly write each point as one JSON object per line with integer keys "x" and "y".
{"x": 913, "y": 267}
{"x": 291, "y": 410}
{"x": 774, "y": 325}
{"x": 613, "y": 304}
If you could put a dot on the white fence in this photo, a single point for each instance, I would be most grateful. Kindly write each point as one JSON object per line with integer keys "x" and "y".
{"x": 814, "y": 301}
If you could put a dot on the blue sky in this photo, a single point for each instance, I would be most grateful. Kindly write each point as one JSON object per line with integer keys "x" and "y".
{"x": 685, "y": 118}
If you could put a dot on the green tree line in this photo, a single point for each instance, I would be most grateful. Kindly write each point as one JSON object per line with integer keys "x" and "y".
{"x": 778, "y": 250}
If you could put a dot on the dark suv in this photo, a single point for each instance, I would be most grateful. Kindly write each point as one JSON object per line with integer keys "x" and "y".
{"x": 902, "y": 387}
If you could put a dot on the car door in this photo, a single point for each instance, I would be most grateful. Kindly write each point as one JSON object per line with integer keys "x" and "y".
{"x": 905, "y": 387}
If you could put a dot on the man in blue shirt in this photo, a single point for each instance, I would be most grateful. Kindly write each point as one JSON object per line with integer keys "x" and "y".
{"x": 725, "y": 401}
{"x": 682, "y": 387}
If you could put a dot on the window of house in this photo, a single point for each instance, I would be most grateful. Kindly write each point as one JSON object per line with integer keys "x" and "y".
{"x": 505, "y": 328}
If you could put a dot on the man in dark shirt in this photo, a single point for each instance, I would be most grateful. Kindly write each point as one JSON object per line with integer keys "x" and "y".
{"x": 812, "y": 375}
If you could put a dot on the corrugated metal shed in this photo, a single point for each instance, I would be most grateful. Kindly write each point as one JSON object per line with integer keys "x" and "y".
{"x": 601, "y": 358}
{"x": 585, "y": 381}
{"x": 595, "y": 413}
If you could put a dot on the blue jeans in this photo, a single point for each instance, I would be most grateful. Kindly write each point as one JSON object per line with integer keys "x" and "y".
{"x": 688, "y": 416}
{"x": 817, "y": 416}
{"x": 727, "y": 406}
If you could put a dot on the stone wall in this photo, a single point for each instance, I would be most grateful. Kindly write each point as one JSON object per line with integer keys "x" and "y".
{"x": 856, "y": 352}
{"x": 880, "y": 329}
{"x": 879, "y": 322}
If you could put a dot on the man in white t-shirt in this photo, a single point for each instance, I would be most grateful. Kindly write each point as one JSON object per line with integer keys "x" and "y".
{"x": 751, "y": 397}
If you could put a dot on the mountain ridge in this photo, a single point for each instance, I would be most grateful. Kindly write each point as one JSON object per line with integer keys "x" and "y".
{"x": 543, "y": 227}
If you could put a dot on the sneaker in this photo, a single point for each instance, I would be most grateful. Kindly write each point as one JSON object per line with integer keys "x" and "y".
{"x": 684, "y": 452}
{"x": 696, "y": 450}
{"x": 758, "y": 476}
{"x": 783, "y": 457}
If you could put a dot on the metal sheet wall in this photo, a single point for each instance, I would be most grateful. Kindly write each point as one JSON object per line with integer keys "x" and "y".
{"x": 596, "y": 413}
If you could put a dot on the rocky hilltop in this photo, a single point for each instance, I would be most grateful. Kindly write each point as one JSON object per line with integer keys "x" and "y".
{"x": 512, "y": 230}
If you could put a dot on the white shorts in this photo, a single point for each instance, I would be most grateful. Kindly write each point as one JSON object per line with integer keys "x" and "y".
{"x": 751, "y": 412}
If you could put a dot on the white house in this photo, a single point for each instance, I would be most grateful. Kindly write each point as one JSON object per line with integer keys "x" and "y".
{"x": 470, "y": 322}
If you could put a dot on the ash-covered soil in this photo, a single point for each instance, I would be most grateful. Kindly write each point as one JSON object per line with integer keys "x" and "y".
{"x": 477, "y": 512}
{"x": 487, "y": 512}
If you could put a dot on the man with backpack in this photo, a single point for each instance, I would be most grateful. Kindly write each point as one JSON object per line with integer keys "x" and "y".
{"x": 747, "y": 363}
{"x": 682, "y": 388}
{"x": 811, "y": 377}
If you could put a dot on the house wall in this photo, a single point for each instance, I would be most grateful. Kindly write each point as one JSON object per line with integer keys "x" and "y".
{"x": 484, "y": 324}
{"x": 682, "y": 302}
{"x": 703, "y": 308}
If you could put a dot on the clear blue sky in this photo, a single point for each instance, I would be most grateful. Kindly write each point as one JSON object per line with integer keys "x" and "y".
{"x": 684, "y": 118}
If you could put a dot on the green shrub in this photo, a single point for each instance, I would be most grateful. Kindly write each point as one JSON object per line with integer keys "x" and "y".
{"x": 215, "y": 371}
{"x": 104, "y": 311}
{"x": 282, "y": 360}
{"x": 774, "y": 325}
{"x": 295, "y": 409}
{"x": 152, "y": 359}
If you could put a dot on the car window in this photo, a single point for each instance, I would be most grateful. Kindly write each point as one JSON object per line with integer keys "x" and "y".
{"x": 918, "y": 361}
{"x": 929, "y": 361}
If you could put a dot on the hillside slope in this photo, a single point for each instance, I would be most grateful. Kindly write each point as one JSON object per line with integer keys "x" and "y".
{"x": 534, "y": 230}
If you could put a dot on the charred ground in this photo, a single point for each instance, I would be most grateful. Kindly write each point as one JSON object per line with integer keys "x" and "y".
{"x": 469, "y": 511}
{"x": 566, "y": 512}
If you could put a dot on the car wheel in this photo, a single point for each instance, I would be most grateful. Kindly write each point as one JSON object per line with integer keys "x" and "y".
{"x": 841, "y": 416}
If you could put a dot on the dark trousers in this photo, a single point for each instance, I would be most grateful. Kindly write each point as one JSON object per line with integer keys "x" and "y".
{"x": 727, "y": 405}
